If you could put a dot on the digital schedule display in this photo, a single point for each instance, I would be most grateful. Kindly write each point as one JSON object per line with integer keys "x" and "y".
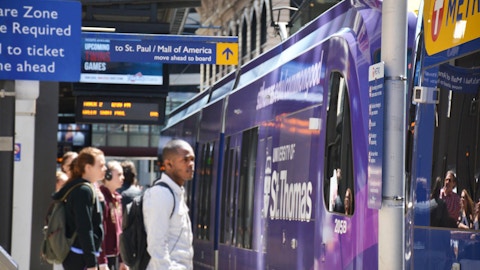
{"x": 122, "y": 110}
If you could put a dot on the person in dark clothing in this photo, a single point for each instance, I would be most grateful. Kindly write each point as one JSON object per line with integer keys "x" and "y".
{"x": 83, "y": 211}
{"x": 129, "y": 189}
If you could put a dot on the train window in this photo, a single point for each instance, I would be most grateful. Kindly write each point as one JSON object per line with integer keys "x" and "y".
{"x": 236, "y": 225}
{"x": 204, "y": 188}
{"x": 338, "y": 167}
{"x": 246, "y": 187}
{"x": 456, "y": 139}
{"x": 230, "y": 170}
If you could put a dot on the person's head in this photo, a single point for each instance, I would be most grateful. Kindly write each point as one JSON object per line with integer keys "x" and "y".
{"x": 179, "y": 161}
{"x": 61, "y": 179}
{"x": 114, "y": 177}
{"x": 466, "y": 201}
{"x": 348, "y": 201}
{"x": 67, "y": 159}
{"x": 450, "y": 182}
{"x": 90, "y": 165}
{"x": 339, "y": 174}
{"x": 130, "y": 173}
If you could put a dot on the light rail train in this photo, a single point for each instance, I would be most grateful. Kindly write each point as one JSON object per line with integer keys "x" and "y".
{"x": 282, "y": 150}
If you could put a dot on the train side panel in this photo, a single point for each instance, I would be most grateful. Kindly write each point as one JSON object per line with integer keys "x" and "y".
{"x": 289, "y": 183}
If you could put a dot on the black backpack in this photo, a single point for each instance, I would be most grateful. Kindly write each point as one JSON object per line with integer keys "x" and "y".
{"x": 133, "y": 239}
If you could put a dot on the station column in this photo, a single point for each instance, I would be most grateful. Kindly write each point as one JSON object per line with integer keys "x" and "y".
{"x": 26, "y": 93}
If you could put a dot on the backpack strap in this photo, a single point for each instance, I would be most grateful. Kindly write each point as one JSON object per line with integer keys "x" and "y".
{"x": 163, "y": 184}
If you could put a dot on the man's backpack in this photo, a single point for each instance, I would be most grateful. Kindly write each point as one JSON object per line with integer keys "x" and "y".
{"x": 55, "y": 245}
{"x": 133, "y": 240}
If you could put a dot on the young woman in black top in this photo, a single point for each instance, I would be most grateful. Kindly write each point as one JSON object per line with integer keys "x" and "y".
{"x": 83, "y": 211}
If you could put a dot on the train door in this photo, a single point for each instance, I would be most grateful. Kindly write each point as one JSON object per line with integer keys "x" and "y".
{"x": 237, "y": 201}
{"x": 203, "y": 218}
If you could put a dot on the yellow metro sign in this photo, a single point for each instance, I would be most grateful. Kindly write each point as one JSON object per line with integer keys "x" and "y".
{"x": 449, "y": 23}
{"x": 227, "y": 53}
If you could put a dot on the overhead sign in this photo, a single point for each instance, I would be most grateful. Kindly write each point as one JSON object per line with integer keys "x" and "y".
{"x": 175, "y": 49}
{"x": 40, "y": 40}
{"x": 97, "y": 66}
{"x": 118, "y": 109}
{"x": 450, "y": 23}
{"x": 375, "y": 134}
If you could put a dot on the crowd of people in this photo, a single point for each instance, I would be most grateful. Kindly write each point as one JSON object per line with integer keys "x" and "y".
{"x": 95, "y": 207}
{"x": 446, "y": 208}
{"x": 451, "y": 209}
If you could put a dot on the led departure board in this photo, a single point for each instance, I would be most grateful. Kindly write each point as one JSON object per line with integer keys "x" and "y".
{"x": 124, "y": 110}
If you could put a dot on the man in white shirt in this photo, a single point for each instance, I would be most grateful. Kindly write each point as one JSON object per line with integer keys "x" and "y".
{"x": 169, "y": 236}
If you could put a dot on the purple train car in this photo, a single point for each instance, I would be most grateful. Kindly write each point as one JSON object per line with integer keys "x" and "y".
{"x": 282, "y": 153}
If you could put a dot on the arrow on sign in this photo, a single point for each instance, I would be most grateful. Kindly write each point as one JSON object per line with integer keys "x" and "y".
{"x": 227, "y": 52}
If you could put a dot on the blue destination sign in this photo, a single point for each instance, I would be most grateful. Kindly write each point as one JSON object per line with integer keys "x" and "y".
{"x": 40, "y": 40}
{"x": 174, "y": 49}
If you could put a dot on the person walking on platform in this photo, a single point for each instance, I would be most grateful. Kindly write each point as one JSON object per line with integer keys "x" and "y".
{"x": 169, "y": 234}
{"x": 83, "y": 212}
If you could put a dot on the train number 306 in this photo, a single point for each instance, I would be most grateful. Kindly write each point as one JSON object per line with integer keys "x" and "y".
{"x": 340, "y": 226}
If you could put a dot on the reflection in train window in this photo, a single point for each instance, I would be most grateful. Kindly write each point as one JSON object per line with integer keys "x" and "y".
{"x": 338, "y": 173}
{"x": 456, "y": 144}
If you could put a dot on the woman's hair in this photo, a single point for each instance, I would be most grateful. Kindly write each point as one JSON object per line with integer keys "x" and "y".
{"x": 113, "y": 164}
{"x": 468, "y": 205}
{"x": 129, "y": 172}
{"x": 70, "y": 155}
{"x": 86, "y": 156}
